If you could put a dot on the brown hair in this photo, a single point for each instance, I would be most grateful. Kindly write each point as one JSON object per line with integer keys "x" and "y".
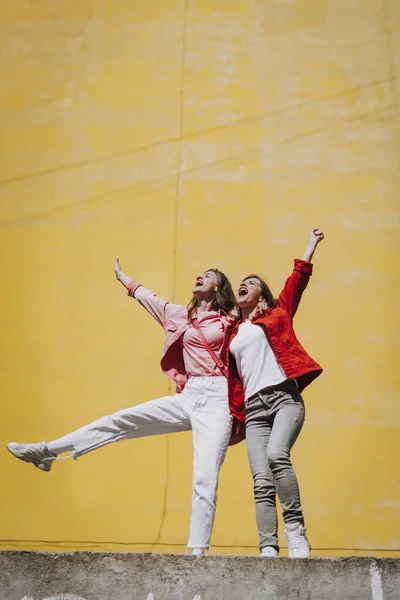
{"x": 224, "y": 297}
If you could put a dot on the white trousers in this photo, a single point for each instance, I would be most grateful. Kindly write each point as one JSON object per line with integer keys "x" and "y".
{"x": 201, "y": 407}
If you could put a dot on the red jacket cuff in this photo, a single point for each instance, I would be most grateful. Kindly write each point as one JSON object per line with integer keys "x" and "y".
{"x": 303, "y": 266}
{"x": 132, "y": 287}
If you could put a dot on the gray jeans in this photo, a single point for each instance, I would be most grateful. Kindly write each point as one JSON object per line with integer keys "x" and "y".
{"x": 274, "y": 418}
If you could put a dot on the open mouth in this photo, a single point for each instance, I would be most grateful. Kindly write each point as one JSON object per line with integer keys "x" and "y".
{"x": 198, "y": 283}
{"x": 242, "y": 291}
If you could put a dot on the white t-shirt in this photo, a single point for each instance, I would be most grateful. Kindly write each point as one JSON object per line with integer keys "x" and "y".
{"x": 255, "y": 360}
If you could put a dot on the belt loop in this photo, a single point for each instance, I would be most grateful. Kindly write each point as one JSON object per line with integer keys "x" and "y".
{"x": 264, "y": 402}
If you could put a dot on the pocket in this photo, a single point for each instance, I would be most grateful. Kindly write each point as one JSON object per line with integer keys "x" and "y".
{"x": 218, "y": 393}
{"x": 219, "y": 382}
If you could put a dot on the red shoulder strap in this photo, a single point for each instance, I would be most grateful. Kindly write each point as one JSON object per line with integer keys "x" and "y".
{"x": 211, "y": 352}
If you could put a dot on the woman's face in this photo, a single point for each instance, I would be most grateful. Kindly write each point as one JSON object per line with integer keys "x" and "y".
{"x": 249, "y": 293}
{"x": 206, "y": 283}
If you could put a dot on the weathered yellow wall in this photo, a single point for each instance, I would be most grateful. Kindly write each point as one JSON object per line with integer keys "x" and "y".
{"x": 277, "y": 116}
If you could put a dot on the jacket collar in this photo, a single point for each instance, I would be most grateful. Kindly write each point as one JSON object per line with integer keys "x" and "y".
{"x": 256, "y": 317}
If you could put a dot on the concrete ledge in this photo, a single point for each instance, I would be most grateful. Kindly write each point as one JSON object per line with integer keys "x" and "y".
{"x": 128, "y": 576}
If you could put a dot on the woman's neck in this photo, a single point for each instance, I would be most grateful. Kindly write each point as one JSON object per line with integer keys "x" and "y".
{"x": 204, "y": 306}
{"x": 248, "y": 313}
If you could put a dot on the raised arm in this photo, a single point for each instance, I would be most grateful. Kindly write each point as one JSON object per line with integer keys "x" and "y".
{"x": 316, "y": 236}
{"x": 297, "y": 282}
{"x": 157, "y": 307}
{"x": 121, "y": 277}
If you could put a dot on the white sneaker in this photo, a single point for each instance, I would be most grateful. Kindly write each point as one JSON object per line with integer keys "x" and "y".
{"x": 36, "y": 454}
{"x": 298, "y": 546}
{"x": 269, "y": 551}
{"x": 198, "y": 551}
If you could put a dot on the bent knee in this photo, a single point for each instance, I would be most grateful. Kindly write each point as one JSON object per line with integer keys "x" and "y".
{"x": 278, "y": 456}
{"x": 205, "y": 482}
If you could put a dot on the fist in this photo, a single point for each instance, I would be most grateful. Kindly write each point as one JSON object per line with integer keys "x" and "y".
{"x": 316, "y": 236}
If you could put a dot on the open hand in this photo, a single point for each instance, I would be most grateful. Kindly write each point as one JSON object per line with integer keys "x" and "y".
{"x": 117, "y": 268}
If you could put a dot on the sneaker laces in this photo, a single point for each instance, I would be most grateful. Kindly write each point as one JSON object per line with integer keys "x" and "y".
{"x": 48, "y": 456}
{"x": 56, "y": 457}
{"x": 38, "y": 452}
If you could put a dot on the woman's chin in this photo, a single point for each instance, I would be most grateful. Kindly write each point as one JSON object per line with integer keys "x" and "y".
{"x": 242, "y": 303}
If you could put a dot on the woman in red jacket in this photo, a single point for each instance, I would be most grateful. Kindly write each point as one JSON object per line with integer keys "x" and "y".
{"x": 268, "y": 369}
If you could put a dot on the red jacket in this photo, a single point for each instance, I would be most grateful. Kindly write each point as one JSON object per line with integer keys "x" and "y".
{"x": 278, "y": 327}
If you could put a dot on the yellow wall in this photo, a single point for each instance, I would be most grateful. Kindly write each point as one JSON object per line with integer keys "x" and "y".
{"x": 279, "y": 116}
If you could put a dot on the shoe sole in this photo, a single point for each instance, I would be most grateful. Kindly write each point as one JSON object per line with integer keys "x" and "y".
{"x": 300, "y": 556}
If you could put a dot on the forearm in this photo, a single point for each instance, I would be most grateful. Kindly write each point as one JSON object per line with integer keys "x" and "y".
{"x": 316, "y": 236}
{"x": 309, "y": 252}
{"x": 124, "y": 279}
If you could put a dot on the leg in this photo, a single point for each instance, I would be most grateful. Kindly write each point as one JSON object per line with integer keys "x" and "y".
{"x": 212, "y": 425}
{"x": 164, "y": 415}
{"x": 288, "y": 421}
{"x": 258, "y": 431}
{"x": 287, "y": 425}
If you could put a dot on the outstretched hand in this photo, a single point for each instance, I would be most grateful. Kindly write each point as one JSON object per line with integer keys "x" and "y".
{"x": 117, "y": 268}
{"x": 121, "y": 277}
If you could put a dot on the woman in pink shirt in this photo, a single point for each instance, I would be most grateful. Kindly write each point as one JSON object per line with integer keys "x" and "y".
{"x": 195, "y": 339}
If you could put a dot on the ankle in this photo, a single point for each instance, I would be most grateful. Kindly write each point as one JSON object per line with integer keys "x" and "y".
{"x": 294, "y": 526}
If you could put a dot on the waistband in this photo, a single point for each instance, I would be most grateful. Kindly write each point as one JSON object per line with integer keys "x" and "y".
{"x": 207, "y": 379}
{"x": 284, "y": 385}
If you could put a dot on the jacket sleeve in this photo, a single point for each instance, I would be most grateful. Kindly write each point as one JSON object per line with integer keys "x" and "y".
{"x": 295, "y": 285}
{"x": 160, "y": 309}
